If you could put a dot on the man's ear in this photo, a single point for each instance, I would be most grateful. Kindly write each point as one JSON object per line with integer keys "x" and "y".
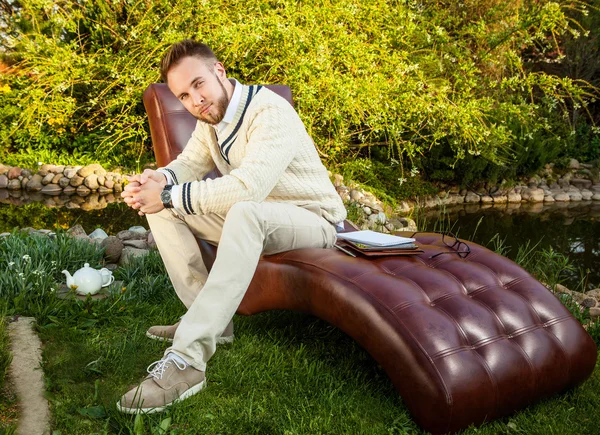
{"x": 220, "y": 71}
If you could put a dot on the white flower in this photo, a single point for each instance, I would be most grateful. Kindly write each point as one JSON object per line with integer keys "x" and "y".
{"x": 21, "y": 275}
{"x": 11, "y": 264}
{"x": 26, "y": 257}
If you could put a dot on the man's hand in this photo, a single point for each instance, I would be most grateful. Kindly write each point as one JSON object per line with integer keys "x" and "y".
{"x": 138, "y": 197}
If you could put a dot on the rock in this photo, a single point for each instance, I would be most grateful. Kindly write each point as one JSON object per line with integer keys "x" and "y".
{"x": 589, "y": 302}
{"x": 151, "y": 241}
{"x": 63, "y": 182}
{"x": 559, "y": 288}
{"x": 104, "y": 190}
{"x": 101, "y": 180}
{"x": 500, "y": 199}
{"x": 69, "y": 190}
{"x": 579, "y": 297}
{"x": 109, "y": 184}
{"x": 573, "y": 164}
{"x": 367, "y": 211}
{"x": 56, "y": 178}
{"x": 3, "y": 181}
{"x": 113, "y": 248}
{"x": 595, "y": 293}
{"x": 89, "y": 170}
{"x": 581, "y": 183}
{"x": 98, "y": 233}
{"x": 562, "y": 197}
{"x": 533, "y": 195}
{"x": 70, "y": 172}
{"x": 486, "y": 199}
{"x": 118, "y": 187}
{"x": 338, "y": 180}
{"x": 51, "y": 189}
{"x": 14, "y": 184}
{"x": 4, "y": 169}
{"x": 472, "y": 198}
{"x": 47, "y": 168}
{"x": 138, "y": 244}
{"x": 128, "y": 253}
{"x": 355, "y": 195}
{"x": 101, "y": 172}
{"x": 586, "y": 195}
{"x": 14, "y": 172}
{"x": 76, "y": 181}
{"x": 596, "y": 197}
{"x": 77, "y": 231}
{"x": 26, "y": 173}
{"x": 130, "y": 235}
{"x": 575, "y": 196}
{"x": 138, "y": 229}
{"x": 514, "y": 197}
{"x": 59, "y": 169}
{"x": 83, "y": 191}
{"x": 42, "y": 173}
{"x": 389, "y": 227}
{"x": 91, "y": 182}
{"x": 595, "y": 313}
{"x": 548, "y": 198}
{"x": 47, "y": 179}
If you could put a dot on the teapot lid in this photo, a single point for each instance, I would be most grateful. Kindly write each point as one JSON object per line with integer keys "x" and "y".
{"x": 86, "y": 265}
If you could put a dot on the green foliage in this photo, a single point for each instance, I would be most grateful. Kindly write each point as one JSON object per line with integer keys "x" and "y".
{"x": 5, "y": 354}
{"x": 31, "y": 265}
{"x": 387, "y": 181}
{"x": 405, "y": 76}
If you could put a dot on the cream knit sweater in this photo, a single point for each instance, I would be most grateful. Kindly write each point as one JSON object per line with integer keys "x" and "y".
{"x": 264, "y": 154}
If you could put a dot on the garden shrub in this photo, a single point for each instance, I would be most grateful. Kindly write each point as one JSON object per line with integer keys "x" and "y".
{"x": 405, "y": 76}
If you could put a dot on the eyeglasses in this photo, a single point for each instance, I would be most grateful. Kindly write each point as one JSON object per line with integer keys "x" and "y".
{"x": 458, "y": 247}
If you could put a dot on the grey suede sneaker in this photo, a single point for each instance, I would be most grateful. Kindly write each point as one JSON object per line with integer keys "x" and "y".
{"x": 166, "y": 333}
{"x": 168, "y": 382}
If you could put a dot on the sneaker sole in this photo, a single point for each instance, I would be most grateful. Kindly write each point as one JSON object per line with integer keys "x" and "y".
{"x": 220, "y": 340}
{"x": 188, "y": 393}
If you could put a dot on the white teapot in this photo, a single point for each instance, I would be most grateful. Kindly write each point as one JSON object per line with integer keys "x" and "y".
{"x": 88, "y": 280}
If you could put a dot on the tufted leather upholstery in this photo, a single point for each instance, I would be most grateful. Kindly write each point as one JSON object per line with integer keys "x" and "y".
{"x": 463, "y": 340}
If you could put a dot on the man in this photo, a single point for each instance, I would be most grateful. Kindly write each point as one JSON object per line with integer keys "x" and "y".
{"x": 274, "y": 196}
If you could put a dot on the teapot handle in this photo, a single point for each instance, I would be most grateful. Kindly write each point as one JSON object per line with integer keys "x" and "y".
{"x": 107, "y": 273}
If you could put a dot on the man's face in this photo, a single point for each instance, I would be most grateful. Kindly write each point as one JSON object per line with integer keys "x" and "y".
{"x": 199, "y": 87}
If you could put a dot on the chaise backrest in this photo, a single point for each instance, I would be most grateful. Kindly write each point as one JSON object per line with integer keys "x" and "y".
{"x": 171, "y": 125}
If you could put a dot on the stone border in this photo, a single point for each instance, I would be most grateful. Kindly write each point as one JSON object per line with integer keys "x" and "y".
{"x": 54, "y": 180}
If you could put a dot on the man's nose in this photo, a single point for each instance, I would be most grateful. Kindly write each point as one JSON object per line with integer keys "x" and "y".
{"x": 197, "y": 99}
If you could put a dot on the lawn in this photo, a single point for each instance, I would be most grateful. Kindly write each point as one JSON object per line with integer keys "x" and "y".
{"x": 285, "y": 373}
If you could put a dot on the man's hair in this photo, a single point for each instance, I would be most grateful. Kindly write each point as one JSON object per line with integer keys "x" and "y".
{"x": 183, "y": 49}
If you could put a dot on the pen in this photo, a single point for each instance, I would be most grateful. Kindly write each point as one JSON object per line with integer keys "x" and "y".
{"x": 345, "y": 250}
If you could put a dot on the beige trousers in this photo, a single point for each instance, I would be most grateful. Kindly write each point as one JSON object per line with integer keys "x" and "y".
{"x": 249, "y": 230}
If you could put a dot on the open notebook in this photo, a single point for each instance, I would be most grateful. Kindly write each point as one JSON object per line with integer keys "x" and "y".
{"x": 375, "y": 239}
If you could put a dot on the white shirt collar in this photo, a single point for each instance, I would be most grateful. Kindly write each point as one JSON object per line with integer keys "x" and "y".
{"x": 231, "y": 107}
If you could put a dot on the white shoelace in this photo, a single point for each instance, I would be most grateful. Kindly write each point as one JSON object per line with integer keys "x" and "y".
{"x": 157, "y": 368}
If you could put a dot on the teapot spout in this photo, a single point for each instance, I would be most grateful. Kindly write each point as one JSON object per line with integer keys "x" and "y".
{"x": 70, "y": 280}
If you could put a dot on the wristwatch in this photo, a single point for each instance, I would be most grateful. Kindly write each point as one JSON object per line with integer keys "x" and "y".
{"x": 165, "y": 196}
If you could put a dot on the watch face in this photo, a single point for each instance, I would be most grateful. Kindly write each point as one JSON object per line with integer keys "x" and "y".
{"x": 165, "y": 197}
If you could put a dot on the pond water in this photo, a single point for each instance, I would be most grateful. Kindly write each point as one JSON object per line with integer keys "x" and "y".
{"x": 572, "y": 229}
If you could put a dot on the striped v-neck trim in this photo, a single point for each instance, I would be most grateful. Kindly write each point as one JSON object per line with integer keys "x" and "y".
{"x": 248, "y": 92}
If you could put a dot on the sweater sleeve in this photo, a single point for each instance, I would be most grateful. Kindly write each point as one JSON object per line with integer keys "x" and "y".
{"x": 270, "y": 149}
{"x": 195, "y": 160}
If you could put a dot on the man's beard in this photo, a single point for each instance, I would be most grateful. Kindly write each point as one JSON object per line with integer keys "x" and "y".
{"x": 220, "y": 105}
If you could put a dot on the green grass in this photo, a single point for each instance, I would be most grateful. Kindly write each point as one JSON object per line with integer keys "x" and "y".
{"x": 8, "y": 410}
{"x": 286, "y": 372}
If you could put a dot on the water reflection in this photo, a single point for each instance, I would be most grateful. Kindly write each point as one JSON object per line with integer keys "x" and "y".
{"x": 32, "y": 209}
{"x": 569, "y": 228}
{"x": 572, "y": 229}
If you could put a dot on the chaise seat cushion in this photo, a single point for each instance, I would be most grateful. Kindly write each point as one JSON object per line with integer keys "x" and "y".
{"x": 464, "y": 340}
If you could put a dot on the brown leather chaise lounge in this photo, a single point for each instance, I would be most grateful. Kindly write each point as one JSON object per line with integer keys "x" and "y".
{"x": 464, "y": 341}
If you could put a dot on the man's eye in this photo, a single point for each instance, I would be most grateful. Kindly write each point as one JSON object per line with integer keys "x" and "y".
{"x": 183, "y": 97}
{"x": 198, "y": 84}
